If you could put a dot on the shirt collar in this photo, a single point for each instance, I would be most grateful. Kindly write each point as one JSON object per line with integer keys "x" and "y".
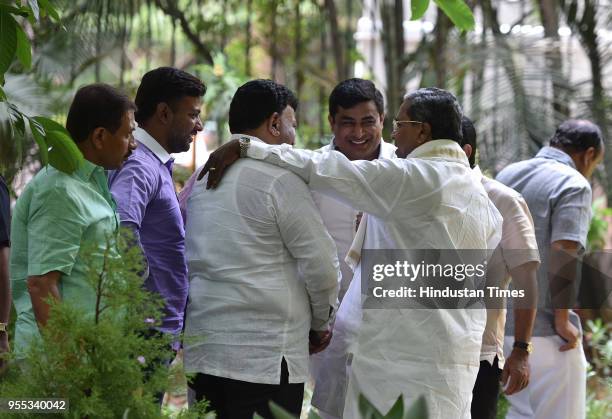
{"x": 250, "y": 137}
{"x": 444, "y": 149}
{"x": 144, "y": 138}
{"x": 476, "y": 170}
{"x": 557, "y": 155}
{"x": 87, "y": 169}
{"x": 381, "y": 151}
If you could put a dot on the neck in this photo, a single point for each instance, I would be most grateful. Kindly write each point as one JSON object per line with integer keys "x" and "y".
{"x": 261, "y": 133}
{"x": 89, "y": 153}
{"x": 157, "y": 132}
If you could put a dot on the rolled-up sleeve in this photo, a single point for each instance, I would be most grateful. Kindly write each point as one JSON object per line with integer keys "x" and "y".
{"x": 308, "y": 241}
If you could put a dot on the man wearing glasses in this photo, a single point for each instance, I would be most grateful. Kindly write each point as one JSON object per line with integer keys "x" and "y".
{"x": 426, "y": 199}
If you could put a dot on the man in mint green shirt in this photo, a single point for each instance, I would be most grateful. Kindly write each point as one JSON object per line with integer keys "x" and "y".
{"x": 61, "y": 217}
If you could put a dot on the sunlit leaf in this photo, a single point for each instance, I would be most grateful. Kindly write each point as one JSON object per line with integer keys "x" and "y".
{"x": 64, "y": 154}
{"x": 418, "y": 410}
{"x": 397, "y": 410}
{"x": 418, "y": 8}
{"x": 280, "y": 413}
{"x": 49, "y": 9}
{"x": 367, "y": 409}
{"x": 458, "y": 12}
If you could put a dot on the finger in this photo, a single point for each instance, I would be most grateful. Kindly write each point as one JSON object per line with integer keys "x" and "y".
{"x": 212, "y": 178}
{"x": 514, "y": 384}
{"x": 568, "y": 346}
{"x": 205, "y": 169}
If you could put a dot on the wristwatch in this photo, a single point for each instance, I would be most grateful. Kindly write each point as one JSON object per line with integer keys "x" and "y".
{"x": 526, "y": 346}
{"x": 244, "y": 143}
{"x": 3, "y": 327}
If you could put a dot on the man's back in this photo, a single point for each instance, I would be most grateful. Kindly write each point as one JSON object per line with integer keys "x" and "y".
{"x": 559, "y": 199}
{"x": 261, "y": 267}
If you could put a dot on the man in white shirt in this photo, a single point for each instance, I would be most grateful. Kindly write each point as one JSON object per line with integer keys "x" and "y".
{"x": 263, "y": 271}
{"x": 426, "y": 199}
{"x": 516, "y": 257}
{"x": 356, "y": 116}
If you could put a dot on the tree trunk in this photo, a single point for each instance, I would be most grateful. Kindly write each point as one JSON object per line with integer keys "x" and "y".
{"x": 299, "y": 65}
{"x": 336, "y": 39}
{"x": 173, "y": 44}
{"x": 248, "y": 39}
{"x": 274, "y": 39}
{"x": 442, "y": 30}
{"x": 393, "y": 49}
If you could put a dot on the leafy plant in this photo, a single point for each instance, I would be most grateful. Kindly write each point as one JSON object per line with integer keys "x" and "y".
{"x": 53, "y": 140}
{"x": 598, "y": 229}
{"x": 98, "y": 357}
{"x": 418, "y": 410}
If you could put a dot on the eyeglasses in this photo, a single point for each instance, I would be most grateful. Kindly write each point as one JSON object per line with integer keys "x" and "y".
{"x": 397, "y": 124}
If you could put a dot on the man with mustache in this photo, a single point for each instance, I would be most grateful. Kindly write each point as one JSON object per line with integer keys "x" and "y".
{"x": 169, "y": 103}
{"x": 58, "y": 215}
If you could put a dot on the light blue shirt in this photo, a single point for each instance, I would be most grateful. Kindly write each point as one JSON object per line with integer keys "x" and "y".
{"x": 559, "y": 199}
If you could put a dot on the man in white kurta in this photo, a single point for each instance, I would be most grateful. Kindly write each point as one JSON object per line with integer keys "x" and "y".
{"x": 356, "y": 116}
{"x": 429, "y": 200}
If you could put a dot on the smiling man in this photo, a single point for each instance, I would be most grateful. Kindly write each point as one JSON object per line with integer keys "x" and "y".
{"x": 169, "y": 102}
{"x": 59, "y": 215}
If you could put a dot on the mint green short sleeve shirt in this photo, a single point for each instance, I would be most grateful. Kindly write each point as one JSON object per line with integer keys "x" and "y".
{"x": 56, "y": 221}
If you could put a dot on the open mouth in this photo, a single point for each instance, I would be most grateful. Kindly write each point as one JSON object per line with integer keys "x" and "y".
{"x": 358, "y": 142}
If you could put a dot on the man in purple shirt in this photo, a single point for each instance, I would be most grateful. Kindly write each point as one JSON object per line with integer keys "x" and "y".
{"x": 168, "y": 115}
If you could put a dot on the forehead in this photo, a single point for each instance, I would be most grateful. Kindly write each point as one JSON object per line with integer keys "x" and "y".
{"x": 288, "y": 113}
{"x": 404, "y": 109}
{"x": 189, "y": 102}
{"x": 359, "y": 111}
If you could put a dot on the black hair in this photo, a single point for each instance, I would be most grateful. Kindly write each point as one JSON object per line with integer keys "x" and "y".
{"x": 577, "y": 135}
{"x": 167, "y": 85}
{"x": 94, "y": 106}
{"x": 255, "y": 101}
{"x": 469, "y": 137}
{"x": 351, "y": 92}
{"x": 440, "y": 109}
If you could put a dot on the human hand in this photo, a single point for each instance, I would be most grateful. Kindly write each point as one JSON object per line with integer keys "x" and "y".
{"x": 516, "y": 371}
{"x": 569, "y": 333}
{"x": 219, "y": 160}
{"x": 318, "y": 340}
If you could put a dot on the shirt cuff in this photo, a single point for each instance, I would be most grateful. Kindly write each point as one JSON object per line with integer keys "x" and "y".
{"x": 258, "y": 150}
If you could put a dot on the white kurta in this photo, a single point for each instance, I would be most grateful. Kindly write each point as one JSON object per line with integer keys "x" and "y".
{"x": 430, "y": 200}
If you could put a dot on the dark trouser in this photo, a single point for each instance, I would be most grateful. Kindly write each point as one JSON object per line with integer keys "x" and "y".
{"x": 233, "y": 399}
{"x": 161, "y": 362}
{"x": 486, "y": 391}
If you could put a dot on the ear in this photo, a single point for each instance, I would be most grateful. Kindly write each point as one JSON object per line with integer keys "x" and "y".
{"x": 163, "y": 113}
{"x": 382, "y": 118}
{"x": 273, "y": 124}
{"x": 425, "y": 134}
{"x": 97, "y": 138}
{"x": 590, "y": 155}
{"x": 467, "y": 148}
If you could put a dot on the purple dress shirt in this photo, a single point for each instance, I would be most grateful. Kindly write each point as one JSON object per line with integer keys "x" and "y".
{"x": 147, "y": 203}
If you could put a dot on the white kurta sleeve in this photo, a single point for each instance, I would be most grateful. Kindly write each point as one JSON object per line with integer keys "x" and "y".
{"x": 308, "y": 241}
{"x": 370, "y": 186}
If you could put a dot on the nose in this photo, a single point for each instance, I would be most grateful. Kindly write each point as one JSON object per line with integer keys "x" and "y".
{"x": 199, "y": 126}
{"x": 358, "y": 131}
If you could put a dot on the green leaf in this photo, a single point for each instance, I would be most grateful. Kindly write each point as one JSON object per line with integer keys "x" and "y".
{"x": 418, "y": 8}
{"x": 24, "y": 49}
{"x": 418, "y": 410}
{"x": 313, "y": 415}
{"x": 38, "y": 132}
{"x": 49, "y": 9}
{"x": 458, "y": 12}
{"x": 367, "y": 409}
{"x": 8, "y": 34}
{"x": 279, "y": 413}
{"x": 397, "y": 410}
{"x": 2, "y": 95}
{"x": 17, "y": 118}
{"x": 50, "y": 124}
{"x": 64, "y": 154}
{"x": 35, "y": 9}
